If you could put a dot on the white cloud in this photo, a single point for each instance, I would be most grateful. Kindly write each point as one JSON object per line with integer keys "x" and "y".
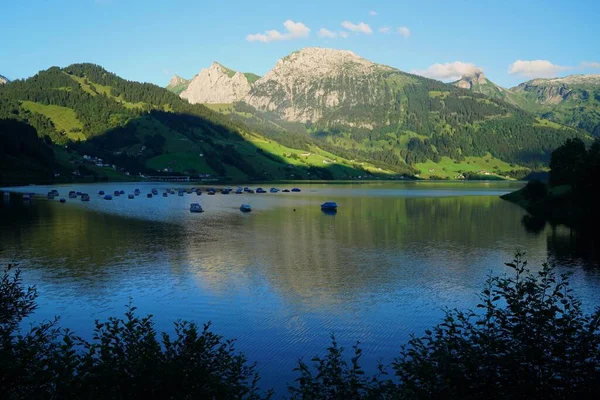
{"x": 589, "y": 64}
{"x": 344, "y": 34}
{"x": 536, "y": 68}
{"x": 294, "y": 30}
{"x": 448, "y": 71}
{"x": 385, "y": 29}
{"x": 361, "y": 27}
{"x": 373, "y": 13}
{"x": 326, "y": 33}
{"x": 404, "y": 31}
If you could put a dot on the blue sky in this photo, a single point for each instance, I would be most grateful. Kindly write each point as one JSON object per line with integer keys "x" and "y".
{"x": 151, "y": 40}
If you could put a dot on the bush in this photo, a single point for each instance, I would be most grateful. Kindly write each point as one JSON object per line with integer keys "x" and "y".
{"x": 529, "y": 339}
{"x": 125, "y": 359}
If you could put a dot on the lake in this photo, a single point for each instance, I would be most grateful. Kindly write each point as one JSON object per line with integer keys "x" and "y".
{"x": 284, "y": 277}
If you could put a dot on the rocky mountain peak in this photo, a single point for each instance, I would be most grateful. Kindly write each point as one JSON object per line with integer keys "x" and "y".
{"x": 321, "y": 62}
{"x": 309, "y": 83}
{"x": 469, "y": 80}
{"x": 176, "y": 80}
{"x": 3, "y": 80}
{"x": 217, "y": 84}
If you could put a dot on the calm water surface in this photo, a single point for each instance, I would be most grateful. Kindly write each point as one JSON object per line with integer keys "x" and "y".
{"x": 284, "y": 277}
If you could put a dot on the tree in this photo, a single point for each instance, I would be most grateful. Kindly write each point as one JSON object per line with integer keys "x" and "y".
{"x": 566, "y": 162}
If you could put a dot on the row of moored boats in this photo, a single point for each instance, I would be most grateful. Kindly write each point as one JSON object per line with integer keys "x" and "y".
{"x": 328, "y": 206}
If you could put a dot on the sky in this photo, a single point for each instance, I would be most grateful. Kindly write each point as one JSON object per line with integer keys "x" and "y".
{"x": 511, "y": 40}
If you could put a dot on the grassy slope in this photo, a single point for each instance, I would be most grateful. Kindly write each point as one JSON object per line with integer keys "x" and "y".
{"x": 450, "y": 169}
{"x": 63, "y": 118}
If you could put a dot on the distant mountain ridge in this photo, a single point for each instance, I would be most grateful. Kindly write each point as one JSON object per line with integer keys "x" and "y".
{"x": 356, "y": 107}
{"x": 4, "y": 80}
{"x": 573, "y": 100}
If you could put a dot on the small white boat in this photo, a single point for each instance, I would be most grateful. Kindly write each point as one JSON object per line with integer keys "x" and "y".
{"x": 274, "y": 190}
{"x": 196, "y": 208}
{"x": 72, "y": 194}
{"x": 85, "y": 197}
{"x": 245, "y": 208}
{"x": 131, "y": 196}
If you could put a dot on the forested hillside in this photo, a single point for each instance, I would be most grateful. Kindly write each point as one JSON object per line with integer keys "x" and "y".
{"x": 142, "y": 128}
{"x": 359, "y": 108}
{"x": 387, "y": 123}
{"x": 24, "y": 157}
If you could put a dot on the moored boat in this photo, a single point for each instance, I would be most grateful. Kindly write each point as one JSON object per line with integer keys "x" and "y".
{"x": 149, "y": 195}
{"x": 136, "y": 192}
{"x": 165, "y": 194}
{"x": 72, "y": 194}
{"x": 85, "y": 197}
{"x": 108, "y": 197}
{"x": 245, "y": 208}
{"x": 261, "y": 190}
{"x": 63, "y": 200}
{"x": 273, "y": 190}
{"x": 101, "y": 193}
{"x": 295, "y": 190}
{"x": 116, "y": 193}
{"x": 286, "y": 190}
{"x": 131, "y": 196}
{"x": 196, "y": 208}
{"x": 329, "y": 206}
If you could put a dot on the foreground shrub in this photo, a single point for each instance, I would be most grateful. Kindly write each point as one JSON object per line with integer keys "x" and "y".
{"x": 125, "y": 359}
{"x": 529, "y": 339}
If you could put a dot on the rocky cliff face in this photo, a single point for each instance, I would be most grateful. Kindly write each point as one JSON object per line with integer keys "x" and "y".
{"x": 472, "y": 80}
{"x": 555, "y": 91}
{"x": 3, "y": 80}
{"x": 217, "y": 84}
{"x": 178, "y": 84}
{"x": 310, "y": 83}
{"x": 573, "y": 100}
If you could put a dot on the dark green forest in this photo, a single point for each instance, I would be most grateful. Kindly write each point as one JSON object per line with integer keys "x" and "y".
{"x": 571, "y": 194}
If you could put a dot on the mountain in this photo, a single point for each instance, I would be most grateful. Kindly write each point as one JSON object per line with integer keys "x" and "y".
{"x": 218, "y": 84}
{"x": 573, "y": 100}
{"x": 106, "y": 127}
{"x": 356, "y": 107}
{"x": 479, "y": 83}
{"x": 178, "y": 84}
{"x": 3, "y": 80}
{"x": 307, "y": 84}
{"x": 318, "y": 114}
